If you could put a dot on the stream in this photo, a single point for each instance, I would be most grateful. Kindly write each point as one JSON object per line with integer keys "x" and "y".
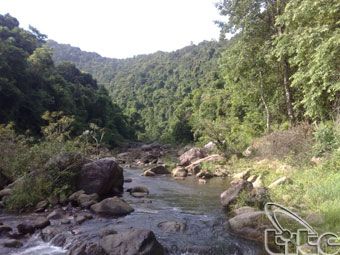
{"x": 185, "y": 201}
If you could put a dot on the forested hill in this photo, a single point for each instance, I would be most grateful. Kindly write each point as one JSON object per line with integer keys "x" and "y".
{"x": 151, "y": 87}
{"x": 31, "y": 85}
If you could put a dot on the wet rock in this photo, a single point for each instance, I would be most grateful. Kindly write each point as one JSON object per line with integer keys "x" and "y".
{"x": 148, "y": 147}
{"x": 204, "y": 175}
{"x": 113, "y": 206}
{"x": 244, "y": 209}
{"x": 41, "y": 206}
{"x": 231, "y": 195}
{"x": 59, "y": 240}
{"x": 191, "y": 156}
{"x": 196, "y": 165}
{"x": 179, "y": 172}
{"x": 80, "y": 219}
{"x": 202, "y": 181}
{"x": 138, "y": 191}
{"x": 74, "y": 197}
{"x": 25, "y": 228}
{"x": 51, "y": 231}
{"x": 40, "y": 223}
{"x": 88, "y": 216}
{"x": 135, "y": 242}
{"x": 159, "y": 170}
{"x": 65, "y": 221}
{"x": 250, "y": 225}
{"x": 127, "y": 180}
{"x": 280, "y": 181}
{"x": 14, "y": 235}
{"x": 172, "y": 226}
{"x": 85, "y": 201}
{"x": 107, "y": 231}
{"x": 56, "y": 214}
{"x": 148, "y": 173}
{"x": 81, "y": 248}
{"x": 5, "y": 229}
{"x": 150, "y": 158}
{"x": 13, "y": 243}
{"x": 103, "y": 176}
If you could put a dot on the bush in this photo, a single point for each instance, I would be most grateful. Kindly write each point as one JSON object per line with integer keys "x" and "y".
{"x": 327, "y": 137}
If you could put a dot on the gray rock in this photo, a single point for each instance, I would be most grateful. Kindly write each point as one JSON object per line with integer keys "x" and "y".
{"x": 172, "y": 226}
{"x": 107, "y": 231}
{"x": 25, "y": 228}
{"x": 13, "y": 243}
{"x": 113, "y": 206}
{"x": 6, "y": 193}
{"x": 148, "y": 173}
{"x": 56, "y": 214}
{"x": 179, "y": 172}
{"x": 127, "y": 179}
{"x": 51, "y": 231}
{"x": 81, "y": 248}
{"x": 139, "y": 189}
{"x": 231, "y": 195}
{"x": 5, "y": 229}
{"x": 59, "y": 240}
{"x": 80, "y": 219}
{"x": 74, "y": 197}
{"x": 159, "y": 170}
{"x": 41, "y": 206}
{"x": 135, "y": 242}
{"x": 85, "y": 201}
{"x": 40, "y": 223}
{"x": 103, "y": 176}
{"x": 191, "y": 155}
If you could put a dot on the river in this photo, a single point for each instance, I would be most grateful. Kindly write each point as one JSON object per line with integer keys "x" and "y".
{"x": 185, "y": 201}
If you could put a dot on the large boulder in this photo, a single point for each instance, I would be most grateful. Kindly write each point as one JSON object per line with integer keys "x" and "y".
{"x": 191, "y": 155}
{"x": 103, "y": 176}
{"x": 250, "y": 225}
{"x": 135, "y": 242}
{"x": 113, "y": 206}
{"x": 195, "y": 167}
{"x": 231, "y": 195}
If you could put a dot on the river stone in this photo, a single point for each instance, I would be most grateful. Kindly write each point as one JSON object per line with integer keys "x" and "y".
{"x": 148, "y": 173}
{"x": 179, "y": 172}
{"x": 81, "y": 248}
{"x": 113, "y": 206}
{"x": 139, "y": 189}
{"x": 107, "y": 231}
{"x": 5, "y": 193}
{"x": 5, "y": 229}
{"x": 59, "y": 240}
{"x": 172, "y": 226}
{"x": 159, "y": 170}
{"x": 51, "y": 231}
{"x": 25, "y": 228}
{"x": 13, "y": 243}
{"x": 41, "y": 222}
{"x": 231, "y": 195}
{"x": 128, "y": 179}
{"x": 80, "y": 219}
{"x": 243, "y": 175}
{"x": 135, "y": 242}
{"x": 250, "y": 225}
{"x": 204, "y": 175}
{"x": 244, "y": 209}
{"x": 103, "y": 176}
{"x": 85, "y": 201}
{"x": 191, "y": 155}
{"x": 56, "y": 214}
{"x": 41, "y": 206}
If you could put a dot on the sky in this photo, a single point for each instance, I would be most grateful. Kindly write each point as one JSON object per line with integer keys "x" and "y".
{"x": 119, "y": 28}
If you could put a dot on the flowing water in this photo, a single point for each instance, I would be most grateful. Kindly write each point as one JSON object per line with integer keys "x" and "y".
{"x": 185, "y": 201}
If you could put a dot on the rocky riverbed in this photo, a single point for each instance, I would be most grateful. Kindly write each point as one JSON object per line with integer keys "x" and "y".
{"x": 182, "y": 217}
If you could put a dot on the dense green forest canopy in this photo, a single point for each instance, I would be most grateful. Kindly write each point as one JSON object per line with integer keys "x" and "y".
{"x": 280, "y": 67}
{"x": 31, "y": 84}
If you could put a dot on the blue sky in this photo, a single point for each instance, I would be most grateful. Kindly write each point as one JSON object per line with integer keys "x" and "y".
{"x": 119, "y": 28}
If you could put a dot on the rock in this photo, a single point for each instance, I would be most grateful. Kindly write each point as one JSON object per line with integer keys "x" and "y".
{"x": 107, "y": 231}
{"x": 231, "y": 195}
{"x": 316, "y": 160}
{"x": 13, "y": 243}
{"x": 59, "y": 240}
{"x": 41, "y": 206}
{"x": 65, "y": 221}
{"x": 148, "y": 173}
{"x": 211, "y": 146}
{"x": 243, "y": 175}
{"x": 244, "y": 209}
{"x": 5, "y": 193}
{"x": 250, "y": 151}
{"x": 127, "y": 180}
{"x": 140, "y": 189}
{"x": 179, "y": 172}
{"x": 258, "y": 197}
{"x": 280, "y": 181}
{"x": 258, "y": 183}
{"x": 56, "y": 214}
{"x": 191, "y": 155}
{"x": 74, "y": 197}
{"x": 148, "y": 147}
{"x": 252, "y": 178}
{"x": 172, "y": 226}
{"x": 159, "y": 170}
{"x": 4, "y": 179}
{"x": 103, "y": 176}
{"x": 202, "y": 181}
{"x": 14, "y": 235}
{"x": 80, "y": 219}
{"x": 81, "y": 248}
{"x": 25, "y": 228}
{"x": 40, "y": 223}
{"x": 179, "y": 178}
{"x": 113, "y": 206}
{"x": 204, "y": 175}
{"x": 150, "y": 158}
{"x": 85, "y": 201}
{"x": 88, "y": 216}
{"x": 196, "y": 165}
{"x": 51, "y": 231}
{"x": 53, "y": 200}
{"x": 5, "y": 229}
{"x": 250, "y": 225}
{"x": 135, "y": 242}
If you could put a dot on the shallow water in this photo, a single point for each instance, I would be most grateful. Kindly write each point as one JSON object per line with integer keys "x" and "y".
{"x": 186, "y": 201}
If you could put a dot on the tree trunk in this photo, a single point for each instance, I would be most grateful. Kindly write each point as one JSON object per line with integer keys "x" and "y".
{"x": 265, "y": 104}
{"x": 288, "y": 94}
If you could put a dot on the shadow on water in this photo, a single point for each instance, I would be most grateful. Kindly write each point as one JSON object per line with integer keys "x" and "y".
{"x": 185, "y": 201}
